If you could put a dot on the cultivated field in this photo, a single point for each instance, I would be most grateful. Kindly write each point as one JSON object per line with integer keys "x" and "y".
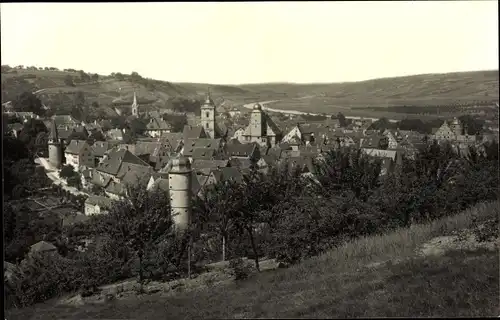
{"x": 434, "y": 269}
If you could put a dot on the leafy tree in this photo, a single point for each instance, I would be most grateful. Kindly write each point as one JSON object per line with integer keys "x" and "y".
{"x": 217, "y": 210}
{"x": 342, "y": 120}
{"x": 136, "y": 126}
{"x": 177, "y": 121}
{"x": 67, "y": 172}
{"x": 28, "y": 102}
{"x": 119, "y": 76}
{"x": 68, "y": 80}
{"x": 140, "y": 222}
{"x": 135, "y": 77}
{"x": 84, "y": 76}
{"x": 95, "y": 77}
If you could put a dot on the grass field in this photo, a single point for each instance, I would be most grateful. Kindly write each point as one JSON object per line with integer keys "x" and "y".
{"x": 377, "y": 276}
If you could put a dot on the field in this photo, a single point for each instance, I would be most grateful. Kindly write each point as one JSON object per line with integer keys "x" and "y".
{"x": 406, "y": 273}
{"x": 348, "y": 98}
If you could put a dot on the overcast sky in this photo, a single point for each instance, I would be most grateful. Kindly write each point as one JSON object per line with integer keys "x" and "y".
{"x": 231, "y": 43}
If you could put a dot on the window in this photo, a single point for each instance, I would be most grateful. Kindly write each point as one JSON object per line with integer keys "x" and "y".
{"x": 207, "y": 114}
{"x": 207, "y": 125}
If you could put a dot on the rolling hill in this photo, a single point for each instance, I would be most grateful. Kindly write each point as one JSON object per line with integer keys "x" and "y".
{"x": 418, "y": 90}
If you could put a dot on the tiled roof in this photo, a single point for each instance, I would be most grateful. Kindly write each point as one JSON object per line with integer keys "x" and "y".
{"x": 158, "y": 124}
{"x": 240, "y": 163}
{"x": 103, "y": 202}
{"x": 116, "y": 188}
{"x": 210, "y": 164}
{"x": 191, "y": 144}
{"x": 203, "y": 154}
{"x": 75, "y": 146}
{"x": 240, "y": 150}
{"x": 99, "y": 179}
{"x": 116, "y": 157}
{"x": 228, "y": 173}
{"x": 100, "y": 147}
{"x": 193, "y": 132}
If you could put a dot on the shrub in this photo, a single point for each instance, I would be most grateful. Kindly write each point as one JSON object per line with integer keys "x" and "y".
{"x": 239, "y": 269}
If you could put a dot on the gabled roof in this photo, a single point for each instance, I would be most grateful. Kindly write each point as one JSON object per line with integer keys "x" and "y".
{"x": 226, "y": 174}
{"x": 135, "y": 175}
{"x": 158, "y": 124}
{"x": 99, "y": 148}
{"x": 272, "y": 129}
{"x": 210, "y": 164}
{"x": 99, "y": 179}
{"x": 145, "y": 148}
{"x": 116, "y": 157}
{"x": 241, "y": 163}
{"x": 116, "y": 188}
{"x": 193, "y": 132}
{"x": 371, "y": 142}
{"x": 76, "y": 146}
{"x": 103, "y": 202}
{"x": 240, "y": 150}
{"x": 191, "y": 144}
{"x": 42, "y": 246}
{"x": 203, "y": 154}
{"x": 269, "y": 159}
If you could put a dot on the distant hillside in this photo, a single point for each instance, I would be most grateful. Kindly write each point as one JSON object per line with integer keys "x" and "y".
{"x": 428, "y": 89}
{"x": 474, "y": 85}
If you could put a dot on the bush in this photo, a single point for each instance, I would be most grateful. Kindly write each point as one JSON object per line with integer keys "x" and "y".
{"x": 239, "y": 269}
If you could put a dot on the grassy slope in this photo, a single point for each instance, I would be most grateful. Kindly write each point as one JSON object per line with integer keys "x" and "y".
{"x": 429, "y": 88}
{"x": 338, "y": 284}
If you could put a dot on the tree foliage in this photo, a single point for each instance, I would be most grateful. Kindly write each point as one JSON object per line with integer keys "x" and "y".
{"x": 140, "y": 222}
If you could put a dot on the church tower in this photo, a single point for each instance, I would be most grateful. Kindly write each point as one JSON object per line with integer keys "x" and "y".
{"x": 208, "y": 117}
{"x": 456, "y": 126}
{"x": 55, "y": 147}
{"x": 135, "y": 107}
{"x": 257, "y": 122}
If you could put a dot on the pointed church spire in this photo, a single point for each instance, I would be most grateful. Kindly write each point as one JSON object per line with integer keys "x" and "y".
{"x": 53, "y": 132}
{"x": 208, "y": 98}
{"x": 135, "y": 99}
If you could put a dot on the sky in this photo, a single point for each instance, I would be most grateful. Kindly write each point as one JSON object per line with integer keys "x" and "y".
{"x": 254, "y": 42}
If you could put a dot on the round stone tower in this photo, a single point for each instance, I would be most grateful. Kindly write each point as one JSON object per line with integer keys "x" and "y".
{"x": 179, "y": 184}
{"x": 55, "y": 147}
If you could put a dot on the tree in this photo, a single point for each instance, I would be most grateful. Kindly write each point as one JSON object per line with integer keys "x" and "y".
{"x": 140, "y": 222}
{"x": 67, "y": 172}
{"x": 177, "y": 121}
{"x": 342, "y": 120}
{"x": 119, "y": 76}
{"x": 95, "y": 77}
{"x": 216, "y": 210}
{"x": 68, "y": 80}
{"x": 135, "y": 77}
{"x": 136, "y": 126}
{"x": 28, "y": 102}
{"x": 84, "y": 76}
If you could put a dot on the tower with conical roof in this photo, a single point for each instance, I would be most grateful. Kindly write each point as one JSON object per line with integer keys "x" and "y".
{"x": 135, "y": 107}
{"x": 208, "y": 116}
{"x": 55, "y": 147}
{"x": 179, "y": 184}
